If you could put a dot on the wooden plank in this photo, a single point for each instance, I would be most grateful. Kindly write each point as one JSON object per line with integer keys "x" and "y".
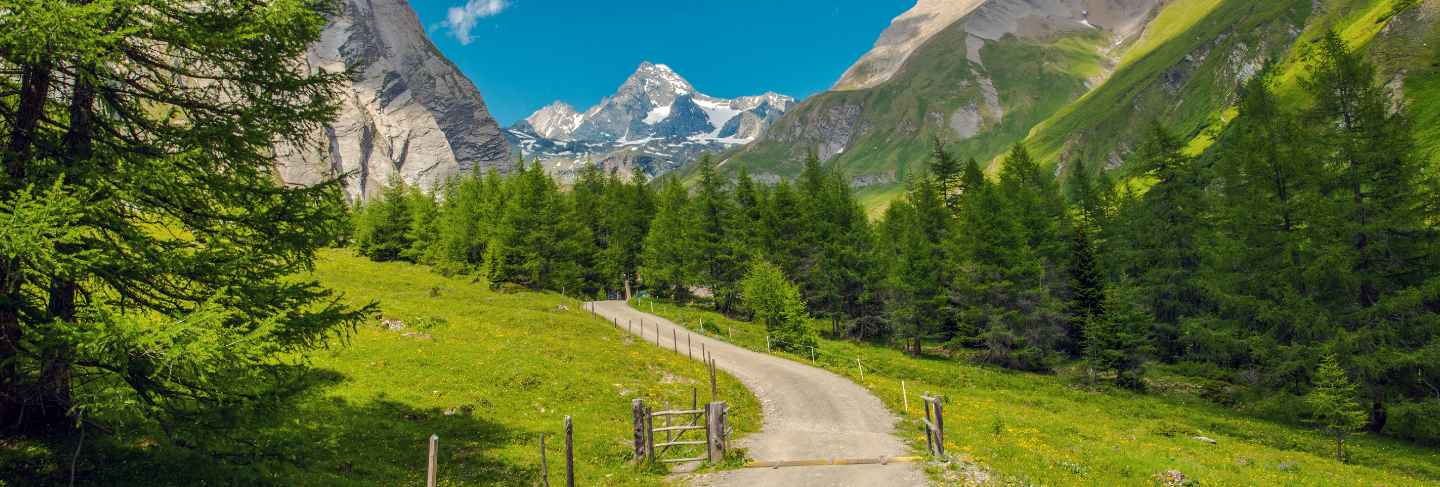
{"x": 649, "y": 436}
{"x": 677, "y": 412}
{"x": 680, "y": 428}
{"x": 683, "y": 460}
{"x": 680, "y": 443}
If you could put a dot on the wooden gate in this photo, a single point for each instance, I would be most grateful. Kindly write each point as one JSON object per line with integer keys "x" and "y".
{"x": 661, "y": 436}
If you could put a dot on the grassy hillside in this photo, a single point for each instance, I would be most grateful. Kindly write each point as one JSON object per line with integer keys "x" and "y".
{"x": 486, "y": 371}
{"x": 886, "y": 131}
{"x": 1027, "y": 429}
{"x": 1184, "y": 71}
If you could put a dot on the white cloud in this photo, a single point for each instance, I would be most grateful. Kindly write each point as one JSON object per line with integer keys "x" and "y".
{"x": 461, "y": 20}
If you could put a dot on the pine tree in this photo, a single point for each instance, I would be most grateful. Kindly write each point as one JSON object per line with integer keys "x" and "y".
{"x": 776, "y": 302}
{"x": 1168, "y": 237}
{"x": 631, "y": 206}
{"x": 1035, "y": 202}
{"x": 1087, "y": 292}
{"x": 948, "y": 173}
{"x": 914, "y": 263}
{"x": 382, "y": 227}
{"x": 665, "y": 266}
{"x": 783, "y": 225}
{"x": 718, "y": 264}
{"x": 169, "y": 284}
{"x": 422, "y": 212}
{"x": 1117, "y": 342}
{"x": 1334, "y": 403}
{"x": 538, "y": 242}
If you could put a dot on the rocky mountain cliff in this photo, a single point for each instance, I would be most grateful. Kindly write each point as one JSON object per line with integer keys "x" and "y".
{"x": 1072, "y": 79}
{"x": 408, "y": 112}
{"x": 654, "y": 123}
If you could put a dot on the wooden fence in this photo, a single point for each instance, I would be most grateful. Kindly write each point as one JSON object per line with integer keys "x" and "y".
{"x": 713, "y": 419}
{"x": 935, "y": 424}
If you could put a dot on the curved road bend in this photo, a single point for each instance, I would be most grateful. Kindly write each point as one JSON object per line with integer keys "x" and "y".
{"x": 808, "y": 414}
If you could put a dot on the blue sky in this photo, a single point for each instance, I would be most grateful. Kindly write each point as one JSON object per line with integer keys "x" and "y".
{"x": 524, "y": 54}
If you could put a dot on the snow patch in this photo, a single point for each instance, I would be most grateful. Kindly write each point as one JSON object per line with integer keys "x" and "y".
{"x": 718, "y": 113}
{"x": 657, "y": 114}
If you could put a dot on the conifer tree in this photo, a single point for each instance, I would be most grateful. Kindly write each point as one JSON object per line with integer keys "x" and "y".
{"x": 1117, "y": 341}
{"x": 1167, "y": 240}
{"x": 1086, "y": 293}
{"x": 668, "y": 256}
{"x": 537, "y": 241}
{"x": 783, "y": 225}
{"x": 718, "y": 264}
{"x": 776, "y": 302}
{"x": 914, "y": 263}
{"x": 1334, "y": 403}
{"x": 139, "y": 141}
{"x": 382, "y": 226}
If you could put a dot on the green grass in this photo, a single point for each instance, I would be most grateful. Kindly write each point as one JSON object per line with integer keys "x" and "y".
{"x": 486, "y": 371}
{"x": 898, "y": 119}
{"x": 1030, "y": 429}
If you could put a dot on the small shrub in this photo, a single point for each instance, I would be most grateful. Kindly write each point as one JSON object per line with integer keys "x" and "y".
{"x": 1416, "y": 421}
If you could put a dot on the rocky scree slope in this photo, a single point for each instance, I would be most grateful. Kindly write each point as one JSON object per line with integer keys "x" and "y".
{"x": 407, "y": 114}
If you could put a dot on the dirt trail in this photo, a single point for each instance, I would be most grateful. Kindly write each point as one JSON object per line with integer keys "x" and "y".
{"x": 809, "y": 414}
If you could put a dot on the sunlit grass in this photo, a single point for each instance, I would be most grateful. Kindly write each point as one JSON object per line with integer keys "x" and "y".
{"x": 1054, "y": 430}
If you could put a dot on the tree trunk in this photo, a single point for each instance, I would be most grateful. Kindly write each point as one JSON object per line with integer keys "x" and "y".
{"x": 19, "y": 149}
{"x": 55, "y": 375}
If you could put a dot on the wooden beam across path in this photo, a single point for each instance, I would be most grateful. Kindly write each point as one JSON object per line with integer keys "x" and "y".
{"x": 816, "y": 462}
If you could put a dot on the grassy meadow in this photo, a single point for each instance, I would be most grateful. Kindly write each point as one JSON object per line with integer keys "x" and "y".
{"x": 487, "y": 371}
{"x": 1030, "y": 429}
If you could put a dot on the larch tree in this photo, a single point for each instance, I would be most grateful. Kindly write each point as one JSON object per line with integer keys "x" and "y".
{"x": 148, "y": 259}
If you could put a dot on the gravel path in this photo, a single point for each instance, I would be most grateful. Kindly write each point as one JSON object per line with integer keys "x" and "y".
{"x": 809, "y": 414}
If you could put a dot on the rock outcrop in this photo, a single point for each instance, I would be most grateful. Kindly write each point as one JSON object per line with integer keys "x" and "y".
{"x": 407, "y": 112}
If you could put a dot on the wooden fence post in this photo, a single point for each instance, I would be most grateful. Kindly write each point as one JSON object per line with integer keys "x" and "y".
{"x": 657, "y": 335}
{"x": 569, "y": 453}
{"x": 675, "y": 340}
{"x": 688, "y": 350}
{"x": 940, "y": 426}
{"x": 929, "y": 429}
{"x": 714, "y": 389}
{"x": 716, "y": 414}
{"x": 544, "y": 466}
{"x": 637, "y": 412}
{"x": 432, "y": 463}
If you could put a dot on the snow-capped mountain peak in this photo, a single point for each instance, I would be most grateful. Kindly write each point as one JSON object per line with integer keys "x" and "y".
{"x": 556, "y": 120}
{"x": 656, "y": 116}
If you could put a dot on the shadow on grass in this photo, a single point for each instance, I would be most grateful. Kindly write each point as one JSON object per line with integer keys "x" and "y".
{"x": 314, "y": 440}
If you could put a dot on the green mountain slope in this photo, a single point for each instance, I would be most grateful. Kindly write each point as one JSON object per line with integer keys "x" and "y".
{"x": 1083, "y": 94}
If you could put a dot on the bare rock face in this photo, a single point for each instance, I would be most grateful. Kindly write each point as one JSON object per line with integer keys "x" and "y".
{"x": 407, "y": 113}
{"x": 989, "y": 20}
{"x": 906, "y": 34}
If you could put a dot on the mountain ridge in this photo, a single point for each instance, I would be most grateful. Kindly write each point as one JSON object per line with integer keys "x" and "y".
{"x": 655, "y": 122}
